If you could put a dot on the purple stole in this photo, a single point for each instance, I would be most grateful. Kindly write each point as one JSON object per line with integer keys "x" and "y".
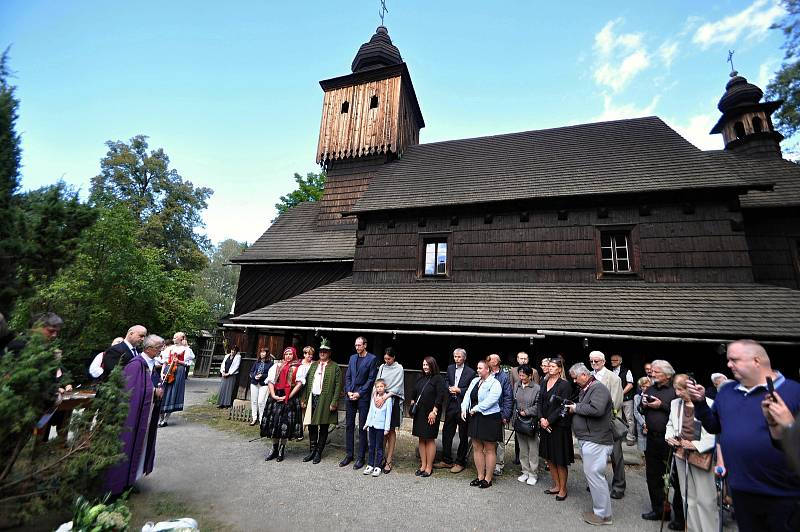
{"x": 140, "y": 387}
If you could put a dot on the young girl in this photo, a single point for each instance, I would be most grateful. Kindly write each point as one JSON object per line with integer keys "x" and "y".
{"x": 379, "y": 423}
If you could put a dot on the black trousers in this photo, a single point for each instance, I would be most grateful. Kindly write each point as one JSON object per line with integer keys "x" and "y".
{"x": 451, "y": 422}
{"x": 762, "y": 513}
{"x": 318, "y": 435}
{"x": 655, "y": 462}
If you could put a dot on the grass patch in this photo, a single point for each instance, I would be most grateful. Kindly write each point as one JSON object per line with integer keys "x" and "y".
{"x": 164, "y": 506}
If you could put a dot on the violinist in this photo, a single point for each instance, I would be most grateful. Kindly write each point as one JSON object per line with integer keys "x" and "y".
{"x": 176, "y": 359}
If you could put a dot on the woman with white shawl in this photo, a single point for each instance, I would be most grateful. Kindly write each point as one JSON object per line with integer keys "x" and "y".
{"x": 392, "y": 374}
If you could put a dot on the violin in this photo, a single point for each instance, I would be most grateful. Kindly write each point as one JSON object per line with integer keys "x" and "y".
{"x": 174, "y": 358}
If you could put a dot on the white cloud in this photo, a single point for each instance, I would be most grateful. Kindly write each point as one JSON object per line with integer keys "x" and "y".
{"x": 620, "y": 57}
{"x": 697, "y": 130}
{"x": 667, "y": 52}
{"x": 753, "y": 22}
{"x": 766, "y": 72}
{"x": 616, "y": 111}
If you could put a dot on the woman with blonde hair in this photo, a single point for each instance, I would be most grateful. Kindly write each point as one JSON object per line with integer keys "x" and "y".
{"x": 481, "y": 409}
{"x": 555, "y": 442}
{"x": 694, "y": 456}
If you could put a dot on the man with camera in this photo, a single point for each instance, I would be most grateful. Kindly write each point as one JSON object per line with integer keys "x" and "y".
{"x": 655, "y": 408}
{"x": 765, "y": 489}
{"x": 591, "y": 424}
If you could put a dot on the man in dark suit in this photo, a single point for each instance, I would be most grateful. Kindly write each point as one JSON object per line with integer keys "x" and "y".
{"x": 361, "y": 371}
{"x": 123, "y": 352}
{"x": 459, "y": 375}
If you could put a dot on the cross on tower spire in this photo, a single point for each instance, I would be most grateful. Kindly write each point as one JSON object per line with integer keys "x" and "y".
{"x": 730, "y": 60}
{"x": 383, "y": 11}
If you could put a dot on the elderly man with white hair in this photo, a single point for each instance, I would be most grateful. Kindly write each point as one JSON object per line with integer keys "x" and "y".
{"x": 656, "y": 406}
{"x": 614, "y": 385}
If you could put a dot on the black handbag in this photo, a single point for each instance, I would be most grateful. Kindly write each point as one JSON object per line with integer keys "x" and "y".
{"x": 413, "y": 409}
{"x": 525, "y": 425}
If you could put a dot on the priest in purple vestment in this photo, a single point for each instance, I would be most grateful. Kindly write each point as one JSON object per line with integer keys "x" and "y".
{"x": 139, "y": 433}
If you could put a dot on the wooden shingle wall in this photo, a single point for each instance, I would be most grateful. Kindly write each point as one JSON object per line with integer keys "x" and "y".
{"x": 363, "y": 130}
{"x": 707, "y": 245}
{"x": 345, "y": 183}
{"x": 774, "y": 239}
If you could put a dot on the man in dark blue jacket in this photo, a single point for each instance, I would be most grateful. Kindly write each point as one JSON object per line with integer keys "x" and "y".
{"x": 358, "y": 381}
{"x": 506, "y": 405}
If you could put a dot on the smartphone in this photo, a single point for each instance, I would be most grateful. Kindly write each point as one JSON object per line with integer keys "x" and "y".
{"x": 771, "y": 388}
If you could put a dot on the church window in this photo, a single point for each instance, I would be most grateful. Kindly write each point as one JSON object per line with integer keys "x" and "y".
{"x": 345, "y": 107}
{"x": 615, "y": 252}
{"x": 434, "y": 255}
{"x": 757, "y": 125}
{"x": 373, "y": 102}
{"x": 738, "y": 127}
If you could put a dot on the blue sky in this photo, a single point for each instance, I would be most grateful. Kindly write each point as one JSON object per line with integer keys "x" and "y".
{"x": 230, "y": 89}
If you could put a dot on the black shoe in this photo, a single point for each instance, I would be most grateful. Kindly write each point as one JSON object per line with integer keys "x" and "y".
{"x": 418, "y": 472}
{"x": 674, "y": 525}
{"x": 359, "y": 464}
{"x": 475, "y": 483}
{"x": 653, "y": 516}
{"x": 311, "y": 454}
{"x": 346, "y": 460}
{"x": 317, "y": 456}
{"x": 273, "y": 453}
{"x": 281, "y": 450}
{"x": 485, "y": 484}
{"x": 617, "y": 494}
{"x": 559, "y": 498}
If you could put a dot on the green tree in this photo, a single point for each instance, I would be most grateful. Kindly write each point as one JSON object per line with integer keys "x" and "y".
{"x": 33, "y": 482}
{"x": 10, "y": 155}
{"x": 54, "y": 218}
{"x": 114, "y": 282}
{"x": 217, "y": 282}
{"x": 309, "y": 188}
{"x": 786, "y": 84}
{"x": 167, "y": 208}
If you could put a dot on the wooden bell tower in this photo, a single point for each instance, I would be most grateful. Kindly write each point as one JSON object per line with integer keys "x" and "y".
{"x": 369, "y": 117}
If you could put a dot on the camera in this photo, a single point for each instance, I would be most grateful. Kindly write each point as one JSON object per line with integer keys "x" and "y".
{"x": 561, "y": 403}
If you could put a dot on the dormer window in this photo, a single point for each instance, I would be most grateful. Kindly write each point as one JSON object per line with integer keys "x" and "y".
{"x": 345, "y": 107}
{"x": 758, "y": 126}
{"x": 373, "y": 102}
{"x": 738, "y": 127}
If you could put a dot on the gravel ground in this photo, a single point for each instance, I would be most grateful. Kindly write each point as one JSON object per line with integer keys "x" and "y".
{"x": 227, "y": 475}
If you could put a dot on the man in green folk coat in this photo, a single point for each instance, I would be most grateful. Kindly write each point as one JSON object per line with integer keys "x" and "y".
{"x": 320, "y": 399}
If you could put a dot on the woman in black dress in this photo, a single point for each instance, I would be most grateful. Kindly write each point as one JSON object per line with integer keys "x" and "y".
{"x": 430, "y": 391}
{"x": 555, "y": 443}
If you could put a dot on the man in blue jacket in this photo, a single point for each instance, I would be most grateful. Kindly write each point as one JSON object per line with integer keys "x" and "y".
{"x": 358, "y": 381}
{"x": 506, "y": 405}
{"x": 765, "y": 489}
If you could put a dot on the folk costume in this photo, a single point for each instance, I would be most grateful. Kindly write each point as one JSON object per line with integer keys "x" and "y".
{"x": 175, "y": 370}
{"x": 320, "y": 397}
{"x": 282, "y": 418}
{"x": 227, "y": 388}
{"x": 138, "y": 434}
{"x": 259, "y": 390}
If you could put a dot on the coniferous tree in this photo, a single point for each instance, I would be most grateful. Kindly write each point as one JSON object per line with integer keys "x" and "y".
{"x": 10, "y": 155}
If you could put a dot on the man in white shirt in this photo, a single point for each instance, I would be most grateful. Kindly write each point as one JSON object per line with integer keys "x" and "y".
{"x": 598, "y": 361}
{"x": 96, "y": 367}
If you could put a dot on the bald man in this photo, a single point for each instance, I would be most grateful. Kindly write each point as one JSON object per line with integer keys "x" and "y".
{"x": 125, "y": 351}
{"x": 765, "y": 489}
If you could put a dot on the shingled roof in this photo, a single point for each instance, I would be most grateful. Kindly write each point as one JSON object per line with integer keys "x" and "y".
{"x": 295, "y": 236}
{"x": 699, "y": 310}
{"x": 786, "y": 192}
{"x": 624, "y": 156}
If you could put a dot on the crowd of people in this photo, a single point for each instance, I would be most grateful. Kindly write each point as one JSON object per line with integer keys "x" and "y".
{"x": 744, "y": 437}
{"x": 695, "y": 442}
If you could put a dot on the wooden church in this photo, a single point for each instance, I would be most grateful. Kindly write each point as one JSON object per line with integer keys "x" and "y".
{"x": 620, "y": 236}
